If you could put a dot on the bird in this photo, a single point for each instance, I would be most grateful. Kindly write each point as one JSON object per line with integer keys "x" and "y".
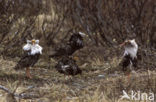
{"x": 75, "y": 43}
{"x": 67, "y": 66}
{"x": 130, "y": 54}
{"x": 76, "y": 40}
{"x": 32, "y": 52}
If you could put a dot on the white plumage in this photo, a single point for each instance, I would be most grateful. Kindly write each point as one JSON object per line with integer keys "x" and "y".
{"x": 27, "y": 47}
{"x": 34, "y": 48}
{"x": 131, "y": 50}
{"x": 82, "y": 34}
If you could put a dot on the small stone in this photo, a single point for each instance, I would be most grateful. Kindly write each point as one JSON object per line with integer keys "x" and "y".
{"x": 101, "y": 76}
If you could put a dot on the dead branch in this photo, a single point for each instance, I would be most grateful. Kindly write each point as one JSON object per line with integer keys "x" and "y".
{"x": 21, "y": 95}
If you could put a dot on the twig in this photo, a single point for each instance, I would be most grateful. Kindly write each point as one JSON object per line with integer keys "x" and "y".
{"x": 21, "y": 95}
{"x": 5, "y": 89}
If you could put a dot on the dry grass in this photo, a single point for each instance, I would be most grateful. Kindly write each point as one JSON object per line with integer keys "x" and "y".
{"x": 88, "y": 87}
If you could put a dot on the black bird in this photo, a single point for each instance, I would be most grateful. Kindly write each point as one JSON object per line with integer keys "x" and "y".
{"x": 68, "y": 66}
{"x": 75, "y": 43}
{"x": 32, "y": 53}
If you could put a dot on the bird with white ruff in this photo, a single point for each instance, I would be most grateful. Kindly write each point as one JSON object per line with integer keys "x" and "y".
{"x": 32, "y": 52}
{"x": 130, "y": 54}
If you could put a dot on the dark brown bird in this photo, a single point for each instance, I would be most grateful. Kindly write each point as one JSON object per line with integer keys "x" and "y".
{"x": 68, "y": 66}
{"x": 75, "y": 43}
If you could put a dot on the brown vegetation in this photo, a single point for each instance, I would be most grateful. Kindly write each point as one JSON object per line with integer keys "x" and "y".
{"x": 106, "y": 22}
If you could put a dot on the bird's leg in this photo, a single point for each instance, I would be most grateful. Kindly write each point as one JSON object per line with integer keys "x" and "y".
{"x": 70, "y": 77}
{"x": 28, "y": 73}
{"x": 128, "y": 76}
{"x": 65, "y": 77}
{"x": 131, "y": 65}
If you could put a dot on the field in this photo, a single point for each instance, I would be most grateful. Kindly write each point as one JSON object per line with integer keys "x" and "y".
{"x": 97, "y": 83}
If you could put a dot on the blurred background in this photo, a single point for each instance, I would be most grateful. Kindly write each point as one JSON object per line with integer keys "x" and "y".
{"x": 107, "y": 22}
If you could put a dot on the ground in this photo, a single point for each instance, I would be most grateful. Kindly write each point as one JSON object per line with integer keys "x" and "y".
{"x": 96, "y": 84}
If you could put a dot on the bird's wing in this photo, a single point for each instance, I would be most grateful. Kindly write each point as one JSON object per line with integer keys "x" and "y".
{"x": 25, "y": 61}
{"x": 25, "y": 58}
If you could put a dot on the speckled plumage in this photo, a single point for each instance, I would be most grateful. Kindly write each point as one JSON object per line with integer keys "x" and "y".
{"x": 68, "y": 66}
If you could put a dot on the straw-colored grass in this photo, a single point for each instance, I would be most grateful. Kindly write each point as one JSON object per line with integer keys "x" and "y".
{"x": 88, "y": 87}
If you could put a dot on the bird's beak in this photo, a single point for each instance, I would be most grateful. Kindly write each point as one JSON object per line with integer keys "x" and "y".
{"x": 33, "y": 41}
{"x": 123, "y": 44}
{"x": 83, "y": 34}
